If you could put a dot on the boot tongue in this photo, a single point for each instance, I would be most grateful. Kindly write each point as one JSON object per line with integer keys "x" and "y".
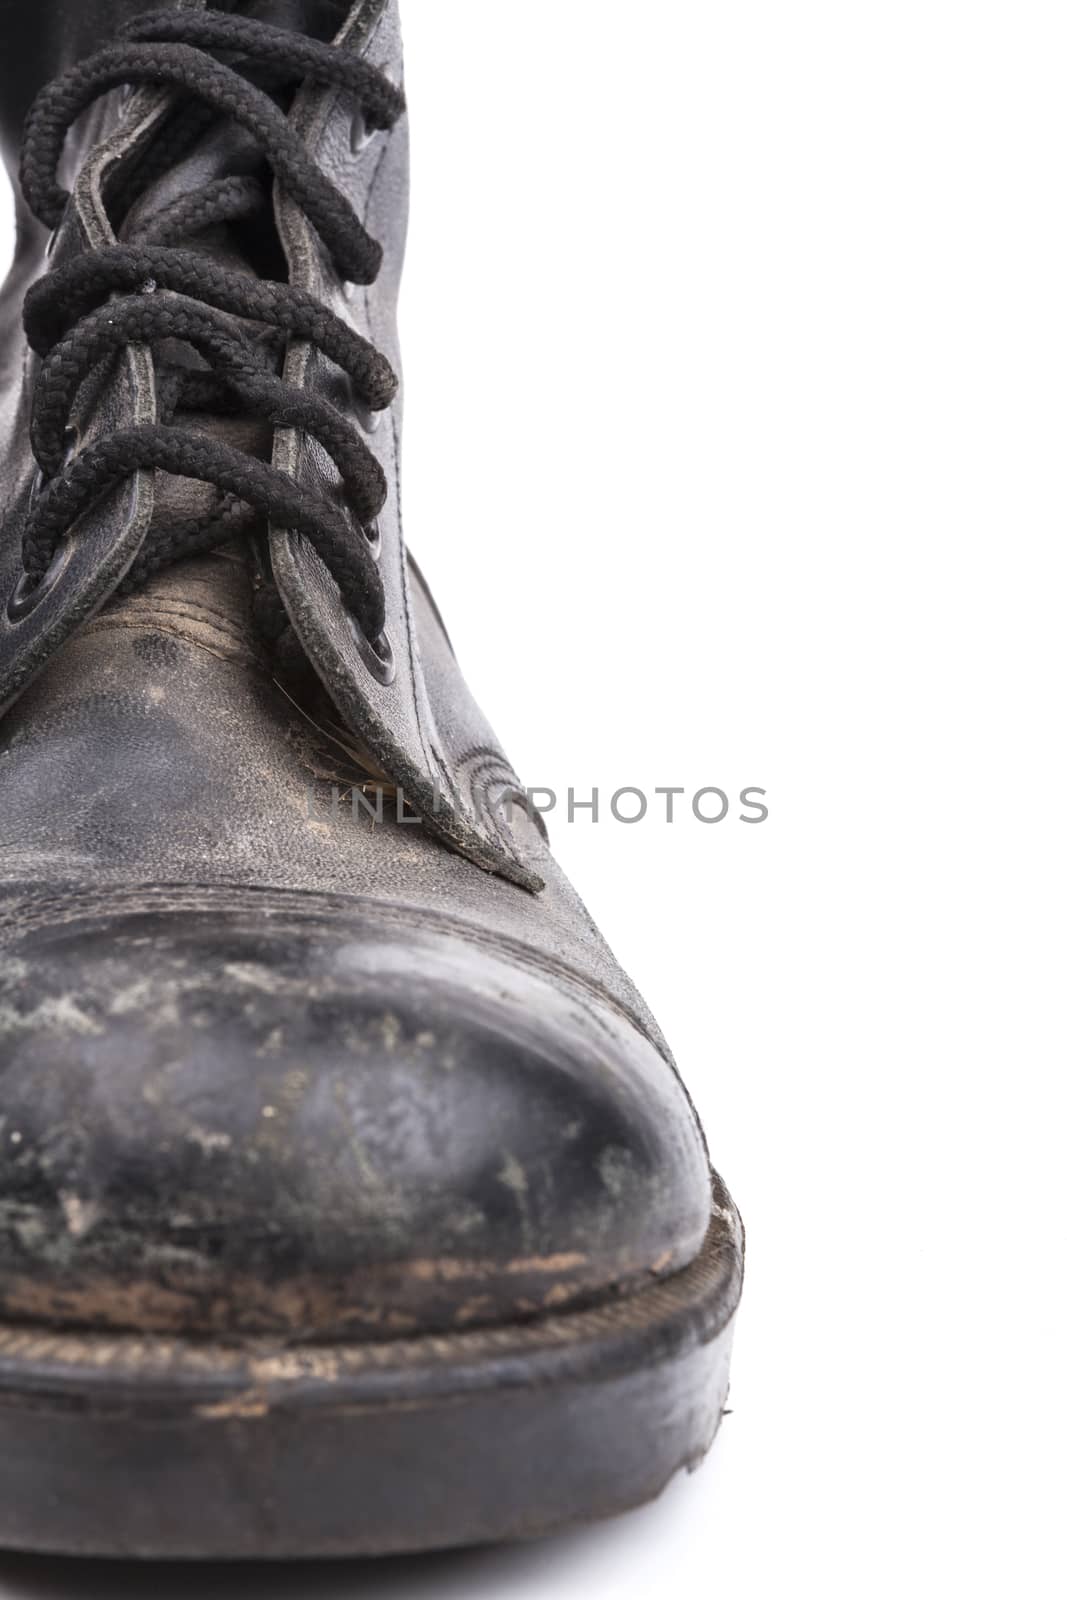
{"x": 319, "y": 18}
{"x": 225, "y": 150}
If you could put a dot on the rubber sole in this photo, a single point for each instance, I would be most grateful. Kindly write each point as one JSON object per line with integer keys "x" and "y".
{"x": 128, "y": 1446}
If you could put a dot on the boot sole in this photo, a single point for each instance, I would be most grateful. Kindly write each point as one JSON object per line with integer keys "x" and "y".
{"x": 122, "y": 1445}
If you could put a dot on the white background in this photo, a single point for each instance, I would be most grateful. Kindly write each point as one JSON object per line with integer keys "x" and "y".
{"x": 736, "y": 362}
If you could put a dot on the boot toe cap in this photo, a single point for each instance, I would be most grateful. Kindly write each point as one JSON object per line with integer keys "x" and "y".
{"x": 318, "y": 1124}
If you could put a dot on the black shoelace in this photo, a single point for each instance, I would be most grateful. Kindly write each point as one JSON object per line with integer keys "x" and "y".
{"x": 73, "y": 320}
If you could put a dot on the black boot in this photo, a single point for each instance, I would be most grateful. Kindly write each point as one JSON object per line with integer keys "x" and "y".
{"x": 349, "y": 1198}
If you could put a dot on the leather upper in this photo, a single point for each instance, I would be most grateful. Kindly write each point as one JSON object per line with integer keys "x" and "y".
{"x": 267, "y": 1065}
{"x": 422, "y": 726}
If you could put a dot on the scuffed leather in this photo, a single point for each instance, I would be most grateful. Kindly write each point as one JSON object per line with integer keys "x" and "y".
{"x": 356, "y": 1123}
{"x": 267, "y": 1067}
{"x": 158, "y": 748}
{"x": 194, "y": 926}
{"x": 109, "y": 535}
{"x": 424, "y": 729}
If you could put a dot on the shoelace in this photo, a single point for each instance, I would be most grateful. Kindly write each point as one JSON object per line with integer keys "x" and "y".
{"x": 73, "y": 322}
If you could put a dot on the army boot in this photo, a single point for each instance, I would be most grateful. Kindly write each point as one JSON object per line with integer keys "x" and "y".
{"x": 350, "y": 1200}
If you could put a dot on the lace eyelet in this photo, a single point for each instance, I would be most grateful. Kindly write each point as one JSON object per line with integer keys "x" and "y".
{"x": 39, "y": 481}
{"x": 369, "y": 421}
{"x": 376, "y": 655}
{"x": 361, "y": 135}
{"x": 26, "y": 596}
{"x": 372, "y": 533}
{"x": 71, "y": 440}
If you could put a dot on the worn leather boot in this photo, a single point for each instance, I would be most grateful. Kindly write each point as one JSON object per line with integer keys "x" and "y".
{"x": 349, "y": 1197}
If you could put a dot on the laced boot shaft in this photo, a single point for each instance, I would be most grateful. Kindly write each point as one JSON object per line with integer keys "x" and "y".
{"x": 167, "y": 293}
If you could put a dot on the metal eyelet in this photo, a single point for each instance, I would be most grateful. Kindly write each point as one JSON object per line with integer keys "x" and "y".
{"x": 361, "y": 135}
{"x": 39, "y": 481}
{"x": 376, "y": 655}
{"x": 385, "y": 668}
{"x": 369, "y": 421}
{"x": 372, "y": 533}
{"x": 26, "y": 595}
{"x": 71, "y": 440}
